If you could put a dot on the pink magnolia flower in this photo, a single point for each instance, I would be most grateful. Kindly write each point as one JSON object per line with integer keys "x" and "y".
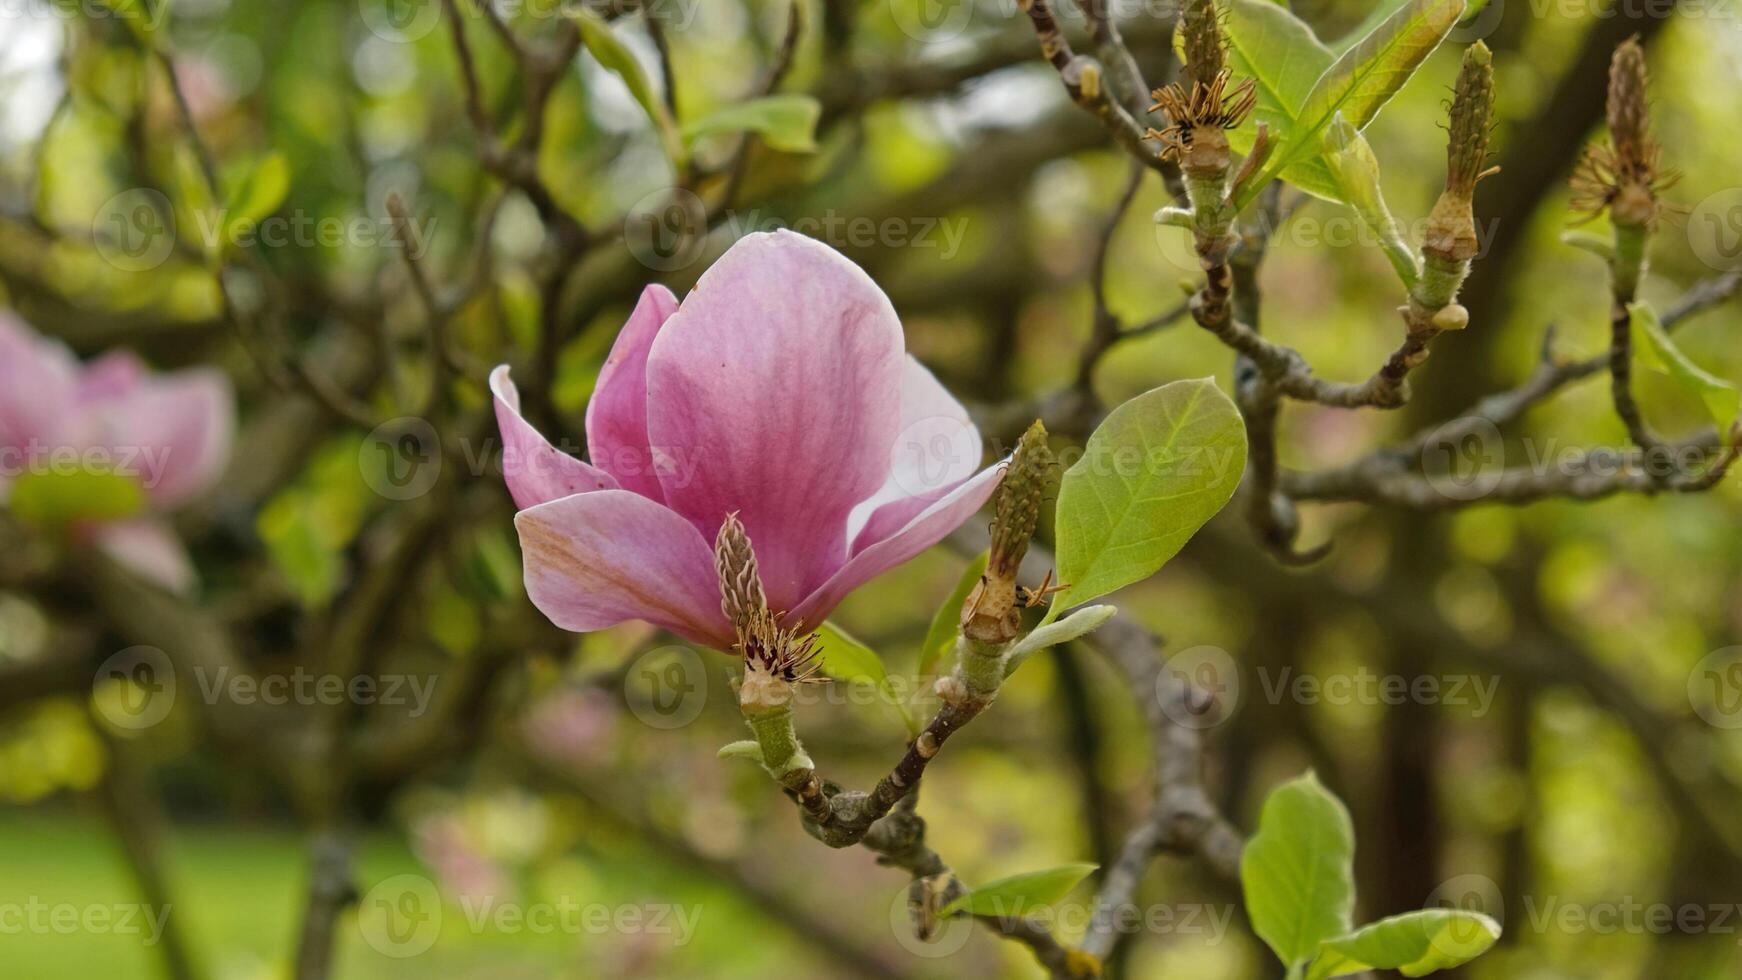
{"x": 777, "y": 391}
{"x": 171, "y": 433}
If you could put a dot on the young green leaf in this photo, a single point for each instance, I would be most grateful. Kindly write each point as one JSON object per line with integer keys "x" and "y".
{"x": 1351, "y": 159}
{"x": 747, "y": 748}
{"x": 1414, "y": 944}
{"x": 612, "y": 55}
{"x": 54, "y": 500}
{"x": 1721, "y": 398}
{"x": 1278, "y": 51}
{"x": 1155, "y": 470}
{"x": 845, "y": 658}
{"x": 254, "y": 197}
{"x": 1021, "y": 894}
{"x": 1364, "y": 78}
{"x": 1297, "y": 871}
{"x": 785, "y": 122}
{"x": 1384, "y": 9}
{"x": 946, "y": 623}
{"x": 1078, "y": 624}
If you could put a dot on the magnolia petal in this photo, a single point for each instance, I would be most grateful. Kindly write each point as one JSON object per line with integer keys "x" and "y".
{"x": 173, "y": 431}
{"x": 937, "y": 449}
{"x": 38, "y": 385}
{"x": 150, "y": 550}
{"x": 924, "y": 530}
{"x": 598, "y": 559}
{"x": 536, "y": 471}
{"x": 617, "y": 414}
{"x": 113, "y": 374}
{"x": 776, "y": 388}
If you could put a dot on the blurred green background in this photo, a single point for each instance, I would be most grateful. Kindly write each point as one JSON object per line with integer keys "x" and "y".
{"x": 1593, "y": 781}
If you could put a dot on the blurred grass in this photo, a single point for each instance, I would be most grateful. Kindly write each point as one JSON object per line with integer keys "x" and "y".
{"x": 239, "y": 892}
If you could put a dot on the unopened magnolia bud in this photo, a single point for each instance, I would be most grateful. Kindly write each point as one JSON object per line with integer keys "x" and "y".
{"x": 1629, "y": 115}
{"x": 1472, "y": 116}
{"x": 993, "y": 613}
{"x": 1450, "y": 237}
{"x": 1017, "y": 503}
{"x": 1202, "y": 37}
{"x": 1451, "y": 230}
{"x": 1623, "y": 174}
{"x": 741, "y": 596}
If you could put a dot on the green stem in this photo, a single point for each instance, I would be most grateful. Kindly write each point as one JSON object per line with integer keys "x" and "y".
{"x": 776, "y": 735}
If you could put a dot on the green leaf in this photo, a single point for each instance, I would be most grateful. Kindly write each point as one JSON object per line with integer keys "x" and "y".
{"x": 1363, "y": 79}
{"x": 1155, "y": 470}
{"x": 747, "y": 748}
{"x": 611, "y": 54}
{"x": 946, "y": 623}
{"x": 845, "y": 658}
{"x": 299, "y": 550}
{"x": 1384, "y": 9}
{"x": 1278, "y": 51}
{"x": 785, "y": 122}
{"x": 256, "y": 196}
{"x": 1078, "y": 624}
{"x": 55, "y": 500}
{"x": 1020, "y": 894}
{"x": 1721, "y": 398}
{"x": 1297, "y": 871}
{"x": 1414, "y": 944}
{"x": 1351, "y": 159}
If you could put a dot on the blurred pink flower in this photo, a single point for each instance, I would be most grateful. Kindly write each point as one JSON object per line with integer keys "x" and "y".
{"x": 777, "y": 390}
{"x": 443, "y": 843}
{"x": 170, "y": 432}
{"x": 572, "y": 726}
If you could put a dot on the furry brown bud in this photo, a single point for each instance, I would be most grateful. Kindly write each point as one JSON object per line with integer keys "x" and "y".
{"x": 1623, "y": 174}
{"x": 1629, "y": 114}
{"x": 1202, "y": 37}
